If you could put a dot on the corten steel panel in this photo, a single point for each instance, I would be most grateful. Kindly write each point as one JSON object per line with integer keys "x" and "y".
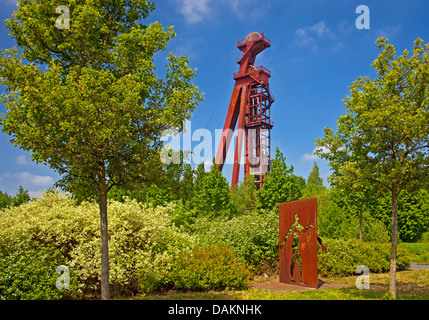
{"x": 306, "y": 233}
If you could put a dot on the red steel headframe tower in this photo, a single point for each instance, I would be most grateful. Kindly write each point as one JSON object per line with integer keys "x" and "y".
{"x": 250, "y": 105}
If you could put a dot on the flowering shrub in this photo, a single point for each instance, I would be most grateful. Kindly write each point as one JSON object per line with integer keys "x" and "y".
{"x": 140, "y": 237}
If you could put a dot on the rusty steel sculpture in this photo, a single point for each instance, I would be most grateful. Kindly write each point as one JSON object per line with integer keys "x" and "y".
{"x": 250, "y": 105}
{"x": 298, "y": 240}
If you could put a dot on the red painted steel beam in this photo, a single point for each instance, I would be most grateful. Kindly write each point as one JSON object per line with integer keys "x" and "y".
{"x": 247, "y": 76}
{"x": 239, "y": 143}
{"x": 228, "y": 128}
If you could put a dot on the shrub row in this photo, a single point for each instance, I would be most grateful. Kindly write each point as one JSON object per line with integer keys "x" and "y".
{"x": 254, "y": 237}
{"x": 147, "y": 251}
{"x": 344, "y": 256}
{"x": 140, "y": 237}
{"x": 211, "y": 267}
{"x": 27, "y": 270}
{"x": 53, "y": 230}
{"x": 419, "y": 251}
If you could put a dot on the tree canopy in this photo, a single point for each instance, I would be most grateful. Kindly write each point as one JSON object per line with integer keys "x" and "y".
{"x": 280, "y": 184}
{"x": 86, "y": 100}
{"x": 314, "y": 186}
{"x": 22, "y": 196}
{"x": 384, "y": 136}
{"x": 213, "y": 197}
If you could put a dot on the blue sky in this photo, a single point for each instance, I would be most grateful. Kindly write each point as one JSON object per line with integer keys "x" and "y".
{"x": 316, "y": 53}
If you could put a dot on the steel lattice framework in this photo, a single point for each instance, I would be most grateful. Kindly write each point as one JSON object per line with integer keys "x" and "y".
{"x": 250, "y": 105}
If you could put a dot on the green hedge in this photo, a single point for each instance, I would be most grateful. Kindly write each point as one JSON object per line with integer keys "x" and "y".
{"x": 344, "y": 256}
{"x": 212, "y": 267}
{"x": 27, "y": 270}
{"x": 254, "y": 237}
{"x": 140, "y": 238}
{"x": 419, "y": 251}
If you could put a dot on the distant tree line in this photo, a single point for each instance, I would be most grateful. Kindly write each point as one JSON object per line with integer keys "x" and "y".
{"x": 342, "y": 213}
{"x": 6, "y": 200}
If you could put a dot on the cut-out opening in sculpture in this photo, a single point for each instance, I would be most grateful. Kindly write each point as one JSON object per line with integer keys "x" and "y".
{"x": 298, "y": 242}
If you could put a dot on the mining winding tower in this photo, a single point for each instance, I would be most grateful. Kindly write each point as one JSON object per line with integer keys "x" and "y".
{"x": 250, "y": 105}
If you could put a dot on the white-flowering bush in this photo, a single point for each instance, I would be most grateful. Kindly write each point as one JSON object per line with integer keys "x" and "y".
{"x": 140, "y": 237}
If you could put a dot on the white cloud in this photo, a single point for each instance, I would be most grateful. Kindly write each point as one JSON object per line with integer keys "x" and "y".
{"x": 312, "y": 156}
{"x": 303, "y": 37}
{"x": 207, "y": 165}
{"x": 27, "y": 178}
{"x": 388, "y": 32}
{"x": 307, "y": 156}
{"x": 194, "y": 10}
{"x": 199, "y": 10}
{"x": 318, "y": 35}
{"x": 246, "y": 10}
{"x": 345, "y": 27}
{"x": 21, "y": 160}
{"x": 307, "y": 35}
{"x": 320, "y": 28}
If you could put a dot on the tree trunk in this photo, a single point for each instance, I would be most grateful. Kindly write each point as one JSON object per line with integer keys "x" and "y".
{"x": 360, "y": 225}
{"x": 105, "y": 292}
{"x": 393, "y": 251}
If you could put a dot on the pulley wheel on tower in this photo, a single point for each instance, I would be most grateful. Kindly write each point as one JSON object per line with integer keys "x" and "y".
{"x": 252, "y": 36}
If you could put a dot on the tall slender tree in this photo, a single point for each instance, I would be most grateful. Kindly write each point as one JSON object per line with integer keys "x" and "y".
{"x": 83, "y": 96}
{"x": 314, "y": 176}
{"x": 280, "y": 184}
{"x": 384, "y": 136}
{"x": 314, "y": 186}
{"x": 212, "y": 198}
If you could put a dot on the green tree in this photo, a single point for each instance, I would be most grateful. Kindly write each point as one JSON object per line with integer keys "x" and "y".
{"x": 413, "y": 213}
{"x": 358, "y": 200}
{"x": 88, "y": 102}
{"x": 349, "y": 215}
{"x": 22, "y": 196}
{"x": 280, "y": 184}
{"x": 200, "y": 174}
{"x": 212, "y": 199}
{"x": 156, "y": 195}
{"x": 173, "y": 182}
{"x": 5, "y": 200}
{"x": 244, "y": 195}
{"x": 333, "y": 220}
{"x": 314, "y": 176}
{"x": 314, "y": 186}
{"x": 384, "y": 136}
{"x": 186, "y": 191}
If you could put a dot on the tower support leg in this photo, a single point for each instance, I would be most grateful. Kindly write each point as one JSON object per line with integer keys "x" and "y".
{"x": 228, "y": 129}
{"x": 240, "y": 132}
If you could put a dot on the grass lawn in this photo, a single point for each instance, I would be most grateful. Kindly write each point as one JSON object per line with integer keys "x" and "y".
{"x": 411, "y": 285}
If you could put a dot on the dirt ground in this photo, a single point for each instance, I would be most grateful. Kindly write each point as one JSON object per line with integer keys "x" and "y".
{"x": 272, "y": 283}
